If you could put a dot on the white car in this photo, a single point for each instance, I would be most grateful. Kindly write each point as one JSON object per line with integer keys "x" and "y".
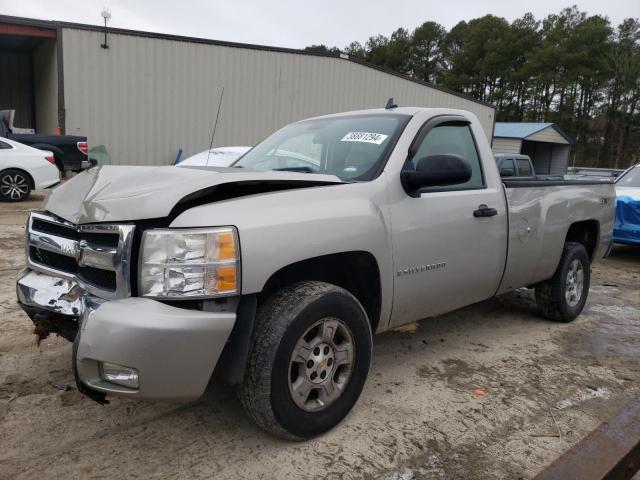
{"x": 23, "y": 168}
{"x": 628, "y": 183}
{"x": 216, "y": 157}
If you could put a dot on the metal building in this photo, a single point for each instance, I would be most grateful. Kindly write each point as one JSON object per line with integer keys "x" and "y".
{"x": 547, "y": 146}
{"x": 148, "y": 95}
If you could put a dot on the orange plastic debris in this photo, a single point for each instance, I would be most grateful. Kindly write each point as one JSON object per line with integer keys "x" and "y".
{"x": 479, "y": 392}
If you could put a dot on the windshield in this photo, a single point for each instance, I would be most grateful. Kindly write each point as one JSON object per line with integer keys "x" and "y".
{"x": 630, "y": 179}
{"x": 354, "y": 147}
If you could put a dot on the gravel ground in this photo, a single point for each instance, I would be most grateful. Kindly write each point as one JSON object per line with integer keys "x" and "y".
{"x": 545, "y": 386}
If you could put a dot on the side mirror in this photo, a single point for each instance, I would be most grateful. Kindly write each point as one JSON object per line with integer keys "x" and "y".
{"x": 507, "y": 172}
{"x": 436, "y": 171}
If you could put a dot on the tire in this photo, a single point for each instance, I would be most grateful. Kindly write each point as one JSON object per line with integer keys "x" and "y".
{"x": 296, "y": 314}
{"x": 15, "y": 185}
{"x": 560, "y": 299}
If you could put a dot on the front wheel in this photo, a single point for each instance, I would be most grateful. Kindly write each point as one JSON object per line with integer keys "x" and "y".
{"x": 562, "y": 297}
{"x": 308, "y": 362}
{"x": 15, "y": 186}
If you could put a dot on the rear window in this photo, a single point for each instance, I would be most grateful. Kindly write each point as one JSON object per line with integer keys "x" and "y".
{"x": 507, "y": 168}
{"x": 524, "y": 167}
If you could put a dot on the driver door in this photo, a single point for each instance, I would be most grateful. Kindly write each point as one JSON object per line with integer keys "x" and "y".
{"x": 445, "y": 257}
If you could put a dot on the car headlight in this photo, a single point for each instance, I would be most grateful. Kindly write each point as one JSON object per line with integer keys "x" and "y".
{"x": 193, "y": 263}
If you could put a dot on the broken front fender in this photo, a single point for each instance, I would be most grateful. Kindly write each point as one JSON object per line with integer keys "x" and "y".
{"x": 172, "y": 350}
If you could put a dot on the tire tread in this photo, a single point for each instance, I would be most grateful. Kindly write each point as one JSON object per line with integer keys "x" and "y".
{"x": 549, "y": 294}
{"x": 273, "y": 319}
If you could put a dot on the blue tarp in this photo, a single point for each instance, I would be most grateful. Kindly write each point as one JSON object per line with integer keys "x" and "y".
{"x": 626, "y": 228}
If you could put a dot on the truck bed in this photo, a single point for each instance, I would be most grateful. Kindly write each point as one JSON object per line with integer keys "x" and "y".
{"x": 540, "y": 212}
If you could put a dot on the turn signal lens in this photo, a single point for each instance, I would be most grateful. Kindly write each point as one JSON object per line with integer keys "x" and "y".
{"x": 226, "y": 246}
{"x": 227, "y": 279}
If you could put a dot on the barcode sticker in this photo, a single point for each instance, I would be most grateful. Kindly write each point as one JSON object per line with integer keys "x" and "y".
{"x": 366, "y": 137}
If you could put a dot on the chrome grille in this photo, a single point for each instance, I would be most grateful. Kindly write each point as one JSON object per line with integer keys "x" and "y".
{"x": 96, "y": 256}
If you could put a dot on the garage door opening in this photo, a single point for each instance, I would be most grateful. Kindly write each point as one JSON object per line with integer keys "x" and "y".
{"x": 548, "y": 158}
{"x": 29, "y": 76}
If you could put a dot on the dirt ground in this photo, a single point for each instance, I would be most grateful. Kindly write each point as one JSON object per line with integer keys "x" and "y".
{"x": 546, "y": 385}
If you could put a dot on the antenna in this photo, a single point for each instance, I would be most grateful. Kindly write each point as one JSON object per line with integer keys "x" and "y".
{"x": 390, "y": 104}
{"x": 215, "y": 125}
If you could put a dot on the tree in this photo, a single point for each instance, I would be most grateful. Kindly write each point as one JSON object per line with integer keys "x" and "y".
{"x": 425, "y": 54}
{"x": 475, "y": 52}
{"x": 376, "y": 50}
{"x": 569, "y": 68}
{"x": 621, "y": 116}
{"x": 322, "y": 49}
{"x": 356, "y": 50}
{"x": 398, "y": 51}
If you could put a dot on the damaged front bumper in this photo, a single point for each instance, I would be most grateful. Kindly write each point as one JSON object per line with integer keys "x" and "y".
{"x": 173, "y": 350}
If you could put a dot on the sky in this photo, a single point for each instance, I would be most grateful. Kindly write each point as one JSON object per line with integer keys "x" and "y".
{"x": 296, "y": 24}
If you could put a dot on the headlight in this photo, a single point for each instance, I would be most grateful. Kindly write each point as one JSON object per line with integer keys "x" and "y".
{"x": 194, "y": 263}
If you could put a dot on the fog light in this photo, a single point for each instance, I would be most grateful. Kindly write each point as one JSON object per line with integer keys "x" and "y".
{"x": 124, "y": 376}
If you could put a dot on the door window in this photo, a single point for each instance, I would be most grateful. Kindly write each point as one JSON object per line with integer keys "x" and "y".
{"x": 5, "y": 146}
{"x": 452, "y": 139}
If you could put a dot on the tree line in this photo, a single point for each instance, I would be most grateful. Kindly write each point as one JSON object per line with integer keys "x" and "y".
{"x": 575, "y": 70}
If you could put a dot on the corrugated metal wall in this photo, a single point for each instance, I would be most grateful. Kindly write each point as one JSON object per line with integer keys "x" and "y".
{"x": 506, "y": 145}
{"x": 548, "y": 134}
{"x": 145, "y": 97}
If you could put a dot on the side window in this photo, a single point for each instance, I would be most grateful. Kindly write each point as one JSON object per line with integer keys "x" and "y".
{"x": 5, "y": 146}
{"x": 524, "y": 167}
{"x": 452, "y": 139}
{"x": 507, "y": 168}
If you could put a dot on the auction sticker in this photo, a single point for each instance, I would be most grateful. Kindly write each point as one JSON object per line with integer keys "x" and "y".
{"x": 365, "y": 137}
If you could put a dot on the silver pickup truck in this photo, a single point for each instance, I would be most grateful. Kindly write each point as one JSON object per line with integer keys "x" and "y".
{"x": 276, "y": 271}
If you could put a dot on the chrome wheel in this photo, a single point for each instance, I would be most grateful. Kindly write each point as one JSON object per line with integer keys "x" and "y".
{"x": 321, "y": 364}
{"x": 14, "y": 186}
{"x": 574, "y": 283}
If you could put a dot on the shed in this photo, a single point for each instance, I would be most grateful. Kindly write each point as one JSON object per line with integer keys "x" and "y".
{"x": 548, "y": 147}
{"x": 146, "y": 95}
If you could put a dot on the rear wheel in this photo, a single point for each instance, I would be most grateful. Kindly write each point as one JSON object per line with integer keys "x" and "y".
{"x": 562, "y": 297}
{"x": 15, "y": 185}
{"x": 308, "y": 362}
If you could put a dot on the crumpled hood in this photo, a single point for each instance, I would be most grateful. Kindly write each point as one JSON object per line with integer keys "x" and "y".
{"x": 123, "y": 193}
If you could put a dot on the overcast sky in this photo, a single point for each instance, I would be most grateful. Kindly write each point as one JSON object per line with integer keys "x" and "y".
{"x": 296, "y": 23}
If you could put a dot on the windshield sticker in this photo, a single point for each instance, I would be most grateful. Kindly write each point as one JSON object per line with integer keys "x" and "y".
{"x": 365, "y": 137}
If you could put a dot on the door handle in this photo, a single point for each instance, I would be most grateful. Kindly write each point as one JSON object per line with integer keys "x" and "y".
{"x": 484, "y": 211}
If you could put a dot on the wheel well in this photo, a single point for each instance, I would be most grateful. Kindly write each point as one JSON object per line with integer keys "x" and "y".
{"x": 356, "y": 272}
{"x": 25, "y": 173}
{"x": 586, "y": 233}
{"x": 59, "y": 162}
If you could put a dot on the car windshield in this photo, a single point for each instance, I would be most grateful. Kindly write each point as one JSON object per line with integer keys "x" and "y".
{"x": 354, "y": 147}
{"x": 630, "y": 179}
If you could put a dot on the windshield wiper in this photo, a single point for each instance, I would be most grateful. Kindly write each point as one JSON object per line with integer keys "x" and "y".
{"x": 294, "y": 169}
